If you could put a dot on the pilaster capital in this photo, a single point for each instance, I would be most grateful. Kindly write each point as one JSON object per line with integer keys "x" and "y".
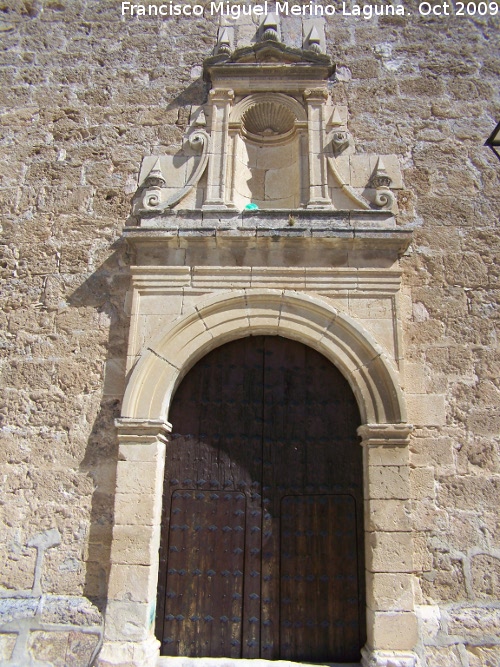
{"x": 316, "y": 95}
{"x": 221, "y": 95}
{"x": 395, "y": 435}
{"x": 142, "y": 430}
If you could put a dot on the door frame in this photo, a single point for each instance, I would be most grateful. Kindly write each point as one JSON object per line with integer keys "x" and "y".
{"x": 143, "y": 430}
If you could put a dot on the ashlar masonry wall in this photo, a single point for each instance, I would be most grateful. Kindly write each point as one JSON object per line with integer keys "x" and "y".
{"x": 85, "y": 95}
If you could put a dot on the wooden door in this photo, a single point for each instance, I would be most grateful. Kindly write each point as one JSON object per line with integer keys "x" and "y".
{"x": 262, "y": 542}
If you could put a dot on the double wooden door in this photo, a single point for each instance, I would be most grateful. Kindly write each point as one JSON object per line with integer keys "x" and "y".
{"x": 262, "y": 541}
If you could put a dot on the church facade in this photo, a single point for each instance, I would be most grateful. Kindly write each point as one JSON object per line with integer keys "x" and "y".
{"x": 250, "y": 341}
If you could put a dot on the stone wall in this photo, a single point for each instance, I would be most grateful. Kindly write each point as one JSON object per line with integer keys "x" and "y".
{"x": 85, "y": 95}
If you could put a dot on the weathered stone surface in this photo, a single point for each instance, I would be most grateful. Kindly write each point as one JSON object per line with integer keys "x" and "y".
{"x": 483, "y": 656}
{"x": 475, "y": 623}
{"x": 85, "y": 95}
{"x": 448, "y": 656}
{"x": 485, "y": 572}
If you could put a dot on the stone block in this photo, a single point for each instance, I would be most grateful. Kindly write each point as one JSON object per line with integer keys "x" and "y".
{"x": 386, "y": 455}
{"x": 148, "y": 452}
{"x": 446, "y": 656}
{"x": 132, "y": 583}
{"x": 475, "y": 624}
{"x": 114, "y": 377}
{"x": 429, "y": 622}
{"x": 426, "y": 410}
{"x": 383, "y": 332}
{"x": 137, "y": 509}
{"x": 485, "y": 570}
{"x": 129, "y": 654}
{"x": 135, "y": 545}
{"x": 129, "y": 621}
{"x": 463, "y": 492}
{"x": 389, "y": 630}
{"x": 389, "y": 552}
{"x": 414, "y": 375}
{"x": 138, "y": 476}
{"x": 389, "y": 592}
{"x": 387, "y": 515}
{"x": 422, "y": 483}
{"x": 483, "y": 656}
{"x": 388, "y": 482}
{"x": 60, "y": 649}
{"x": 7, "y": 643}
{"x": 436, "y": 451}
{"x": 160, "y": 304}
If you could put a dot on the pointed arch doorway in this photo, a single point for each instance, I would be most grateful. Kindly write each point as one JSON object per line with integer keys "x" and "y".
{"x": 262, "y": 530}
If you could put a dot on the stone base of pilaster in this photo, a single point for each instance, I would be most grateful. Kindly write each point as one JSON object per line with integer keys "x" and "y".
{"x": 129, "y": 654}
{"x": 375, "y": 658}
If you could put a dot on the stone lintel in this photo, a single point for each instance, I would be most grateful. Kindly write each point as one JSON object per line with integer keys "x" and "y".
{"x": 393, "y": 435}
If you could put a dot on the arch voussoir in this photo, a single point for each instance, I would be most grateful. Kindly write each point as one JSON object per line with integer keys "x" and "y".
{"x": 231, "y": 315}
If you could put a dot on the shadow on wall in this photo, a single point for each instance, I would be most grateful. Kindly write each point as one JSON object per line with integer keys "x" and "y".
{"x": 105, "y": 290}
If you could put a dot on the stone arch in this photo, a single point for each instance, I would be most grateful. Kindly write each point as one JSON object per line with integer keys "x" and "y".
{"x": 143, "y": 431}
{"x": 301, "y": 317}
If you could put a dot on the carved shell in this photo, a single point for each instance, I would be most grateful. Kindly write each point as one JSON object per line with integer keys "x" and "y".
{"x": 268, "y": 118}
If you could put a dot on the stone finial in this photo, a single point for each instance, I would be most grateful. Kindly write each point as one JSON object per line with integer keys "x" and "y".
{"x": 224, "y": 42}
{"x": 269, "y": 28}
{"x": 314, "y": 40}
{"x": 380, "y": 177}
{"x": 340, "y": 141}
{"x": 155, "y": 178}
{"x": 381, "y": 181}
{"x": 335, "y": 119}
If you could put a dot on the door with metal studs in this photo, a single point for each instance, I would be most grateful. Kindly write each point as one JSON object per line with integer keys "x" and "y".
{"x": 262, "y": 535}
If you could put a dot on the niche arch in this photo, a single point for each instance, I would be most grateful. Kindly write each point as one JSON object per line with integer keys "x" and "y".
{"x": 268, "y": 132}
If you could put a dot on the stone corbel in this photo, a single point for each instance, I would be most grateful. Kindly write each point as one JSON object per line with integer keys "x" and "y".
{"x": 270, "y": 28}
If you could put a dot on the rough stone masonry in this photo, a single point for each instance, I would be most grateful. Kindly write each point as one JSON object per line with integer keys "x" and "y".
{"x": 87, "y": 93}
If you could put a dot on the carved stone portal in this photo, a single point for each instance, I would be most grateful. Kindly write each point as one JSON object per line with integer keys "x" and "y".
{"x": 265, "y": 222}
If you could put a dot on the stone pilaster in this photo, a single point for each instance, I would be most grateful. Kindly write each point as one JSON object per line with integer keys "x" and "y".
{"x": 221, "y": 100}
{"x": 318, "y": 187}
{"x": 130, "y": 612}
{"x": 391, "y": 620}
